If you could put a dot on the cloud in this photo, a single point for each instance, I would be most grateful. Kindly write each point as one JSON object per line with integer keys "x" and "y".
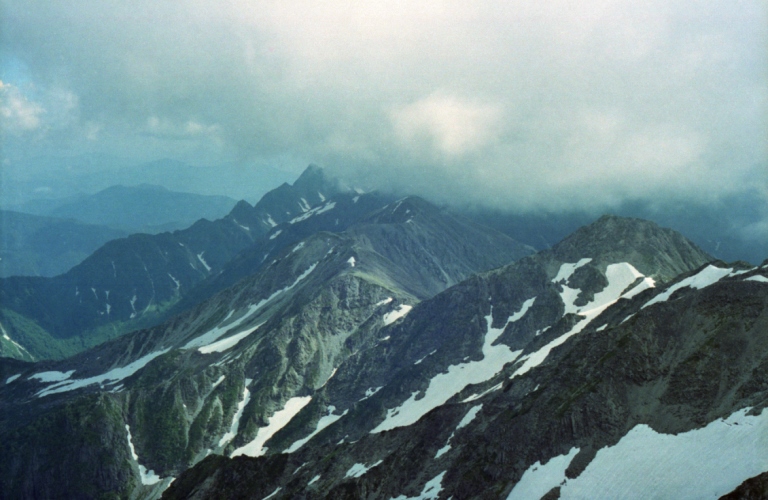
{"x": 519, "y": 104}
{"x": 446, "y": 124}
{"x": 189, "y": 130}
{"x": 18, "y": 114}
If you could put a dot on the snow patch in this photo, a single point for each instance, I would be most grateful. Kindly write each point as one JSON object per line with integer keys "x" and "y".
{"x": 395, "y": 315}
{"x": 702, "y": 279}
{"x": 303, "y": 275}
{"x": 202, "y": 261}
{"x": 12, "y": 378}
{"x": 227, "y": 343}
{"x": 235, "y": 425}
{"x": 212, "y": 335}
{"x": 275, "y": 234}
{"x": 619, "y": 276}
{"x": 425, "y": 357}
{"x": 315, "y": 211}
{"x": 475, "y": 397}
{"x": 445, "y": 449}
{"x": 18, "y": 346}
{"x": 178, "y": 285}
{"x": 444, "y": 386}
{"x": 272, "y": 494}
{"x": 46, "y": 377}
{"x": 295, "y": 249}
{"x": 358, "y": 470}
{"x": 354, "y": 200}
{"x": 351, "y": 261}
{"x": 314, "y": 480}
{"x": 271, "y": 221}
{"x": 246, "y": 228}
{"x": 148, "y": 477}
{"x": 759, "y": 278}
{"x": 701, "y": 463}
{"x": 218, "y": 381}
{"x": 383, "y": 302}
{"x": 110, "y": 377}
{"x": 321, "y": 424}
{"x": 276, "y": 422}
{"x": 333, "y": 372}
{"x": 567, "y": 270}
{"x": 133, "y": 305}
{"x": 370, "y": 392}
{"x": 539, "y": 479}
{"x": 471, "y": 414}
{"x": 322, "y": 198}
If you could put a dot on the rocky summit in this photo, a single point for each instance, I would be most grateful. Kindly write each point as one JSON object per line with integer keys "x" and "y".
{"x": 370, "y": 347}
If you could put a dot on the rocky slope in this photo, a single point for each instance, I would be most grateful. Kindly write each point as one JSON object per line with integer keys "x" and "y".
{"x": 131, "y": 282}
{"x": 588, "y": 371}
{"x": 218, "y": 378}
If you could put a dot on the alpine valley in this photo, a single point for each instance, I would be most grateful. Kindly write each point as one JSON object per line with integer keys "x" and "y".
{"x": 332, "y": 343}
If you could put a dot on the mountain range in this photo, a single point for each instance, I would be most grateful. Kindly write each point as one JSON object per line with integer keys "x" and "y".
{"x": 144, "y": 208}
{"x": 337, "y": 344}
{"x": 131, "y": 282}
{"x": 33, "y": 245}
{"x": 47, "y": 237}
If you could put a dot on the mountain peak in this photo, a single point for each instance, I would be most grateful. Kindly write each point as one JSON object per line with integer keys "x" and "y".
{"x": 313, "y": 177}
{"x": 660, "y": 252}
{"x": 403, "y": 210}
{"x": 242, "y": 209}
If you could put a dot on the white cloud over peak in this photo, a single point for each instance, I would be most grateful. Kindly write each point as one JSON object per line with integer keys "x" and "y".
{"x": 446, "y": 124}
{"x": 514, "y": 103}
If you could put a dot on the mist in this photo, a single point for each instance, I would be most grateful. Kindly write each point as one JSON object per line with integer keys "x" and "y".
{"x": 518, "y": 105}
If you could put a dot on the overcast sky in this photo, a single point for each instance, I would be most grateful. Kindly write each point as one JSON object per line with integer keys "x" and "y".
{"x": 515, "y": 103}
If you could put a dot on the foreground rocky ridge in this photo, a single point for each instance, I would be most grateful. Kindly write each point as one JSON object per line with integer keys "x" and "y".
{"x": 140, "y": 409}
{"x": 535, "y": 380}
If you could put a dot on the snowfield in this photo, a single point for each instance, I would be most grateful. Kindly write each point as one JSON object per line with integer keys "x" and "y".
{"x": 619, "y": 276}
{"x": 110, "y": 377}
{"x": 395, "y": 315}
{"x": 321, "y": 424}
{"x": 227, "y": 343}
{"x": 703, "y": 279}
{"x": 445, "y": 385}
{"x": 702, "y": 463}
{"x": 276, "y": 422}
{"x": 358, "y": 470}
